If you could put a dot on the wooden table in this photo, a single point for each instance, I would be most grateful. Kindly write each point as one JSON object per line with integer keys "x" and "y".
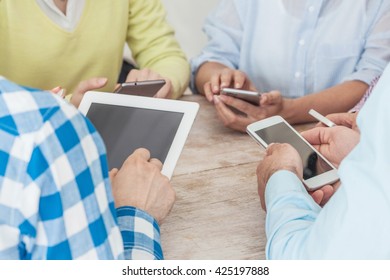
{"x": 217, "y": 214}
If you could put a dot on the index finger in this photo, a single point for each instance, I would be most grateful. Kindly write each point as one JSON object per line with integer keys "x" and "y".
{"x": 344, "y": 119}
{"x": 156, "y": 162}
{"x": 142, "y": 153}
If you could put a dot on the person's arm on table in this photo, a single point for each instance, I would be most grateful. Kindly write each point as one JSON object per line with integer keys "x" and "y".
{"x": 297, "y": 228}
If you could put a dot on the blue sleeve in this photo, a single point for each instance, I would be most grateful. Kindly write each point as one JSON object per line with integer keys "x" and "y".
{"x": 140, "y": 234}
{"x": 290, "y": 214}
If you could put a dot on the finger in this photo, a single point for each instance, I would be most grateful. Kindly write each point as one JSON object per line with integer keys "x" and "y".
{"x": 93, "y": 83}
{"x": 229, "y": 118}
{"x": 226, "y": 78}
{"x": 328, "y": 192}
{"x": 142, "y": 153}
{"x": 239, "y": 79}
{"x": 113, "y": 173}
{"x": 215, "y": 84}
{"x": 55, "y": 90}
{"x": 226, "y": 115}
{"x": 315, "y": 136}
{"x": 144, "y": 74}
{"x": 132, "y": 76}
{"x": 270, "y": 98}
{"x": 116, "y": 87}
{"x": 147, "y": 74}
{"x": 272, "y": 148}
{"x": 208, "y": 92}
{"x": 239, "y": 104}
{"x": 165, "y": 91}
{"x": 156, "y": 162}
{"x": 317, "y": 196}
{"x": 344, "y": 119}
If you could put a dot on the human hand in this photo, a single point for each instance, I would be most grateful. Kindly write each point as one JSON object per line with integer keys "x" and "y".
{"x": 322, "y": 195}
{"x": 84, "y": 86}
{"x": 59, "y": 91}
{"x": 333, "y": 143}
{"x": 226, "y": 77}
{"x": 139, "y": 183}
{"x": 271, "y": 103}
{"x": 278, "y": 157}
{"x": 147, "y": 75}
{"x": 343, "y": 119}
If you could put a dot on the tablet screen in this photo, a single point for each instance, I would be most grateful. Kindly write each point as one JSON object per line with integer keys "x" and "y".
{"x": 125, "y": 129}
{"x": 313, "y": 164}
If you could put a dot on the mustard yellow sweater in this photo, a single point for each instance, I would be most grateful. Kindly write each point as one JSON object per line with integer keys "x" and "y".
{"x": 36, "y": 52}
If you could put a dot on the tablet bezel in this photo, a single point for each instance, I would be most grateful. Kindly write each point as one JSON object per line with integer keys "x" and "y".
{"x": 188, "y": 109}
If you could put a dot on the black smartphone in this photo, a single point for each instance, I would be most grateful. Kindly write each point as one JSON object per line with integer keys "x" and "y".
{"x": 141, "y": 88}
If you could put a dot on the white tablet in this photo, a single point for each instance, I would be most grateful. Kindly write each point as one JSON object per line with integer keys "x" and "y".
{"x": 128, "y": 122}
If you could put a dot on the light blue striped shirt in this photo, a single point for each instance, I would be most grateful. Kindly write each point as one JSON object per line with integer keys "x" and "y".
{"x": 355, "y": 223}
{"x": 299, "y": 46}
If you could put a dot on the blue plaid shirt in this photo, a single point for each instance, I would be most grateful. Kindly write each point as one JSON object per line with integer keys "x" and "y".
{"x": 55, "y": 194}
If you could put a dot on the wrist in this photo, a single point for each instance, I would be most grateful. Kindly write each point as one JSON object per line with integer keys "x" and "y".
{"x": 288, "y": 109}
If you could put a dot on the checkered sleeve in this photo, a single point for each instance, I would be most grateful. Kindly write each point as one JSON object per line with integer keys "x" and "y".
{"x": 140, "y": 234}
{"x": 76, "y": 215}
{"x": 55, "y": 195}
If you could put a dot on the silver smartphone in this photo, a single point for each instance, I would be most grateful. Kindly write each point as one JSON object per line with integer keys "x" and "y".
{"x": 246, "y": 95}
{"x": 317, "y": 170}
{"x": 321, "y": 118}
{"x": 141, "y": 88}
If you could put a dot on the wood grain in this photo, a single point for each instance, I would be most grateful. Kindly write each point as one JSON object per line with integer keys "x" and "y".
{"x": 217, "y": 214}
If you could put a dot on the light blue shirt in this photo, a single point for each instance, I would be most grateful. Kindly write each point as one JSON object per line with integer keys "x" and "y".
{"x": 355, "y": 223}
{"x": 299, "y": 46}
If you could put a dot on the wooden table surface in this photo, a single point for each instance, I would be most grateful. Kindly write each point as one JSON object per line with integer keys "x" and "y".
{"x": 217, "y": 214}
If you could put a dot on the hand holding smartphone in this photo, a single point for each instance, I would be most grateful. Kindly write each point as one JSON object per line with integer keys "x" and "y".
{"x": 141, "y": 88}
{"x": 252, "y": 97}
{"x": 317, "y": 170}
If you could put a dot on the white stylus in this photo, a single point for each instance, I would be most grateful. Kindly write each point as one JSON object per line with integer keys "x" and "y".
{"x": 321, "y": 118}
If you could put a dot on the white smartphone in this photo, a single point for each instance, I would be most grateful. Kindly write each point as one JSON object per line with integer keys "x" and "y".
{"x": 321, "y": 118}
{"x": 246, "y": 95}
{"x": 317, "y": 170}
{"x": 141, "y": 88}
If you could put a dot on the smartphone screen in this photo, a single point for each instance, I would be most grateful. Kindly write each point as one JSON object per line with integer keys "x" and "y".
{"x": 313, "y": 164}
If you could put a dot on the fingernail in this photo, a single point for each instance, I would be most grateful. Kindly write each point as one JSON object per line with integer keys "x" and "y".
{"x": 215, "y": 89}
{"x": 102, "y": 81}
{"x": 238, "y": 85}
{"x": 216, "y": 99}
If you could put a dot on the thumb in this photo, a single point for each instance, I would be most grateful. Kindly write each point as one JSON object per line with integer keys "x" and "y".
{"x": 84, "y": 86}
{"x": 270, "y": 98}
{"x": 90, "y": 84}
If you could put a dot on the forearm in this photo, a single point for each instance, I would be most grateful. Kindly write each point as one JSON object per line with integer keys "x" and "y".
{"x": 339, "y": 98}
{"x": 140, "y": 234}
{"x": 205, "y": 71}
{"x": 291, "y": 213}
